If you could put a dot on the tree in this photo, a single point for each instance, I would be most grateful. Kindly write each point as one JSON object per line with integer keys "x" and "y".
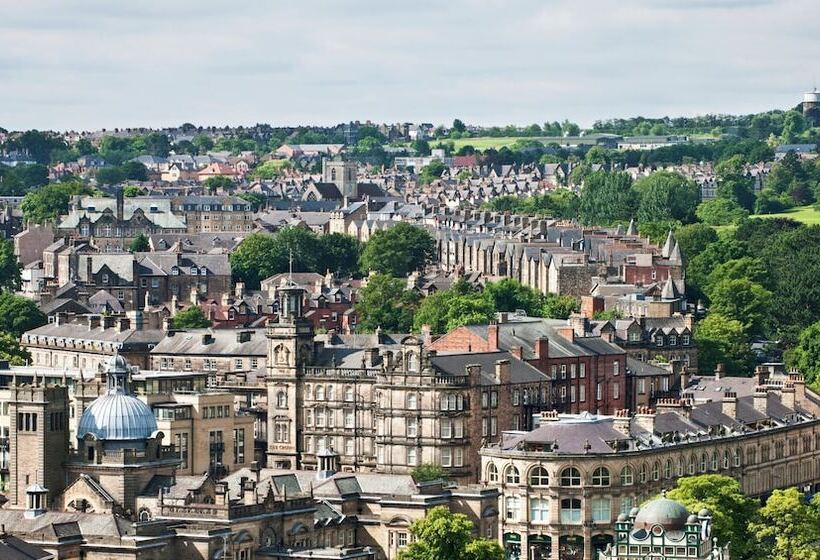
{"x": 789, "y": 527}
{"x": 444, "y": 535}
{"x": 744, "y": 268}
{"x": 157, "y": 144}
{"x": 261, "y": 255}
{"x": 50, "y": 201}
{"x": 510, "y": 295}
{"x": 257, "y": 200}
{"x": 793, "y": 125}
{"x": 9, "y": 267}
{"x": 131, "y": 191}
{"x": 427, "y": 472}
{"x": 722, "y": 340}
{"x": 11, "y": 351}
{"x": 339, "y": 253}
{"x": 431, "y": 172}
{"x": 559, "y": 307}
{"x": 733, "y": 184}
{"x": 459, "y": 126}
{"x": 203, "y": 143}
{"x": 213, "y": 184}
{"x": 606, "y": 198}
{"x": 730, "y": 508}
{"x": 721, "y": 212}
{"x": 270, "y": 169}
{"x": 399, "y": 250}
{"x": 139, "y": 244}
{"x": 19, "y": 314}
{"x": 806, "y": 355}
{"x": 134, "y": 171}
{"x": 191, "y": 318}
{"x": 110, "y": 175}
{"x": 742, "y": 300}
{"x": 385, "y": 304}
{"x": 667, "y": 196}
{"x": 570, "y": 128}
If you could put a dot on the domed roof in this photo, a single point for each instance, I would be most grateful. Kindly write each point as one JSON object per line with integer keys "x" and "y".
{"x": 669, "y": 514}
{"x": 116, "y": 364}
{"x": 117, "y": 416}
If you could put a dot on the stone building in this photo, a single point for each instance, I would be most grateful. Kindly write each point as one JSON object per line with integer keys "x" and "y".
{"x": 215, "y": 351}
{"x": 214, "y": 213}
{"x": 565, "y": 482}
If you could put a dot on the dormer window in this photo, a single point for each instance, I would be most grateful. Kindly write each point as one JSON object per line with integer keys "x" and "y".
{"x": 174, "y": 271}
{"x": 203, "y": 271}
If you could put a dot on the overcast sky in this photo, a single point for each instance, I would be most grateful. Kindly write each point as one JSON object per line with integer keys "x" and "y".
{"x": 91, "y": 64}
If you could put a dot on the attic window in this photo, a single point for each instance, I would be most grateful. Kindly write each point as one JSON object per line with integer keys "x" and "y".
{"x": 174, "y": 271}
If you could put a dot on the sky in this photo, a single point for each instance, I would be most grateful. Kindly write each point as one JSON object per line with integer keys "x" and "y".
{"x": 83, "y": 65}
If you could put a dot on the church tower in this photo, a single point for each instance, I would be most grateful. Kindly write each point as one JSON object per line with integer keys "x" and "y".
{"x": 343, "y": 174}
{"x": 290, "y": 350}
{"x": 38, "y": 439}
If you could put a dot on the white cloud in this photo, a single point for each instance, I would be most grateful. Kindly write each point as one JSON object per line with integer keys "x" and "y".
{"x": 86, "y": 64}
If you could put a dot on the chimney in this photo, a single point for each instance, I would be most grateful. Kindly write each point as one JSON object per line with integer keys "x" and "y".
{"x": 502, "y": 317}
{"x": 502, "y": 371}
{"x": 194, "y": 296}
{"x": 248, "y": 491}
{"x": 645, "y": 419}
{"x": 123, "y": 324}
{"x": 136, "y": 319}
{"x": 762, "y": 375}
{"x": 621, "y": 421}
{"x": 207, "y": 338}
{"x": 108, "y": 321}
{"x": 684, "y": 379}
{"x": 120, "y": 204}
{"x": 93, "y": 322}
{"x": 492, "y": 337}
{"x": 167, "y": 324}
{"x": 720, "y": 371}
{"x": 542, "y": 348}
{"x": 517, "y": 351}
{"x": 579, "y": 324}
{"x": 567, "y": 332}
{"x": 425, "y": 334}
{"x": 761, "y": 399}
{"x": 239, "y": 290}
{"x": 787, "y": 395}
{"x": 548, "y": 416}
{"x": 799, "y": 383}
{"x": 225, "y": 299}
{"x": 256, "y": 470}
{"x": 729, "y": 404}
{"x": 221, "y": 494}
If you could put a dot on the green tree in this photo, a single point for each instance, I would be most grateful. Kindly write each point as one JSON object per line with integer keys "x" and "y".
{"x": 806, "y": 355}
{"x": 667, "y": 196}
{"x": 203, "y": 143}
{"x": 733, "y": 183}
{"x": 427, "y": 472}
{"x": 384, "y": 303}
{"x": 721, "y": 212}
{"x": 270, "y": 169}
{"x": 191, "y": 318}
{"x": 458, "y": 125}
{"x": 134, "y": 171}
{"x": 19, "y": 314}
{"x": 261, "y": 255}
{"x": 110, "y": 175}
{"x": 510, "y": 295}
{"x": 257, "y": 200}
{"x": 789, "y": 527}
{"x": 570, "y": 128}
{"x": 140, "y": 244}
{"x": 131, "y": 191}
{"x": 694, "y": 238}
{"x": 793, "y": 125}
{"x": 559, "y": 307}
{"x": 606, "y": 198}
{"x": 157, "y": 144}
{"x": 744, "y": 268}
{"x": 742, "y": 300}
{"x": 723, "y": 340}
{"x": 11, "y": 350}
{"x": 213, "y": 184}
{"x": 339, "y": 253}
{"x": 9, "y": 267}
{"x": 731, "y": 510}
{"x": 399, "y": 250}
{"x": 49, "y": 202}
{"x": 444, "y": 535}
{"x": 431, "y": 172}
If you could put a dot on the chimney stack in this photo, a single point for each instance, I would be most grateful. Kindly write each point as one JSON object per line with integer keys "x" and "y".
{"x": 645, "y": 419}
{"x": 729, "y": 404}
{"x": 542, "y": 348}
{"x": 621, "y": 421}
{"x": 720, "y": 371}
{"x": 787, "y": 395}
{"x": 502, "y": 371}
{"x": 761, "y": 399}
{"x": 492, "y": 337}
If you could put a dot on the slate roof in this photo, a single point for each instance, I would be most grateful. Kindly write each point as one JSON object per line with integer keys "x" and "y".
{"x": 190, "y": 342}
{"x": 456, "y": 364}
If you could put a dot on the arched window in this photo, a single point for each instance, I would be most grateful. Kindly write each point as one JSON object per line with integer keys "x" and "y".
{"x": 627, "y": 476}
{"x": 412, "y": 361}
{"x": 703, "y": 462}
{"x": 451, "y": 402}
{"x": 492, "y": 473}
{"x": 281, "y": 399}
{"x": 539, "y": 477}
{"x": 714, "y": 460}
{"x": 330, "y": 392}
{"x": 667, "y": 469}
{"x": 349, "y": 393}
{"x": 737, "y": 457}
{"x": 600, "y": 477}
{"x": 680, "y": 467}
{"x": 511, "y": 475}
{"x": 692, "y": 462}
{"x": 656, "y": 471}
{"x": 570, "y": 477}
{"x": 726, "y": 459}
{"x": 642, "y": 474}
{"x": 320, "y": 393}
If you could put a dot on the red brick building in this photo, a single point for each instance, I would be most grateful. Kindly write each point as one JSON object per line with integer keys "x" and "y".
{"x": 587, "y": 373}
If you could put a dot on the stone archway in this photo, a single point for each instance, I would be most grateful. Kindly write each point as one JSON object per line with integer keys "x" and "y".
{"x": 540, "y": 547}
{"x": 571, "y": 547}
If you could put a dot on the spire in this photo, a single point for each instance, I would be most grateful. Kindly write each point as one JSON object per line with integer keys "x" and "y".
{"x": 670, "y": 291}
{"x": 675, "y": 256}
{"x": 667, "y": 247}
{"x": 632, "y": 229}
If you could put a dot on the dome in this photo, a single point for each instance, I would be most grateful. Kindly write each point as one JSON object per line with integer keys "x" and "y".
{"x": 669, "y": 514}
{"x": 117, "y": 416}
{"x": 692, "y": 520}
{"x": 116, "y": 364}
{"x": 704, "y": 513}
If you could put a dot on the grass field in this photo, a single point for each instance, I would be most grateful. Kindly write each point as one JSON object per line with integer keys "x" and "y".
{"x": 806, "y": 214}
{"x": 485, "y": 142}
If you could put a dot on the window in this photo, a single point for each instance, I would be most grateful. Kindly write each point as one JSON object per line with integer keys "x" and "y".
{"x": 239, "y": 446}
{"x": 484, "y": 400}
{"x": 516, "y": 397}
{"x": 659, "y": 340}
{"x": 667, "y": 469}
{"x": 582, "y": 370}
{"x": 237, "y": 363}
{"x": 570, "y": 477}
{"x": 673, "y": 340}
{"x": 642, "y": 474}
{"x": 599, "y": 392}
{"x": 601, "y": 510}
{"x": 725, "y": 459}
{"x": 539, "y": 477}
{"x": 680, "y": 467}
{"x": 511, "y": 475}
{"x": 349, "y": 419}
{"x": 616, "y": 391}
{"x": 181, "y": 444}
{"x": 570, "y": 511}
{"x": 703, "y": 461}
{"x": 714, "y": 460}
{"x": 692, "y": 464}
{"x": 281, "y": 399}
{"x": 539, "y": 510}
{"x": 582, "y": 393}
{"x": 412, "y": 427}
{"x": 627, "y": 476}
{"x": 513, "y": 509}
{"x": 492, "y": 473}
{"x": 627, "y": 503}
{"x": 349, "y": 394}
{"x": 616, "y": 367}
{"x": 656, "y": 471}
{"x": 493, "y": 426}
{"x": 494, "y": 399}
{"x": 446, "y": 429}
{"x": 401, "y": 539}
{"x": 412, "y": 456}
{"x": 685, "y": 339}
{"x": 446, "y": 457}
{"x": 320, "y": 393}
{"x": 600, "y": 477}
{"x": 737, "y": 457}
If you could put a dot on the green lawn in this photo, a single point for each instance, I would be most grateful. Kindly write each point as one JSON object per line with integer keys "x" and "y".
{"x": 806, "y": 214}
{"x": 485, "y": 142}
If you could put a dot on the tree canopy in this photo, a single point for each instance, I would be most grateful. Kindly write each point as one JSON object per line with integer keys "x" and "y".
{"x": 10, "y": 267}
{"x": 48, "y": 202}
{"x": 606, "y": 198}
{"x": 19, "y": 314}
{"x": 399, "y": 250}
{"x": 191, "y": 318}
{"x": 385, "y": 303}
{"x": 444, "y": 535}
